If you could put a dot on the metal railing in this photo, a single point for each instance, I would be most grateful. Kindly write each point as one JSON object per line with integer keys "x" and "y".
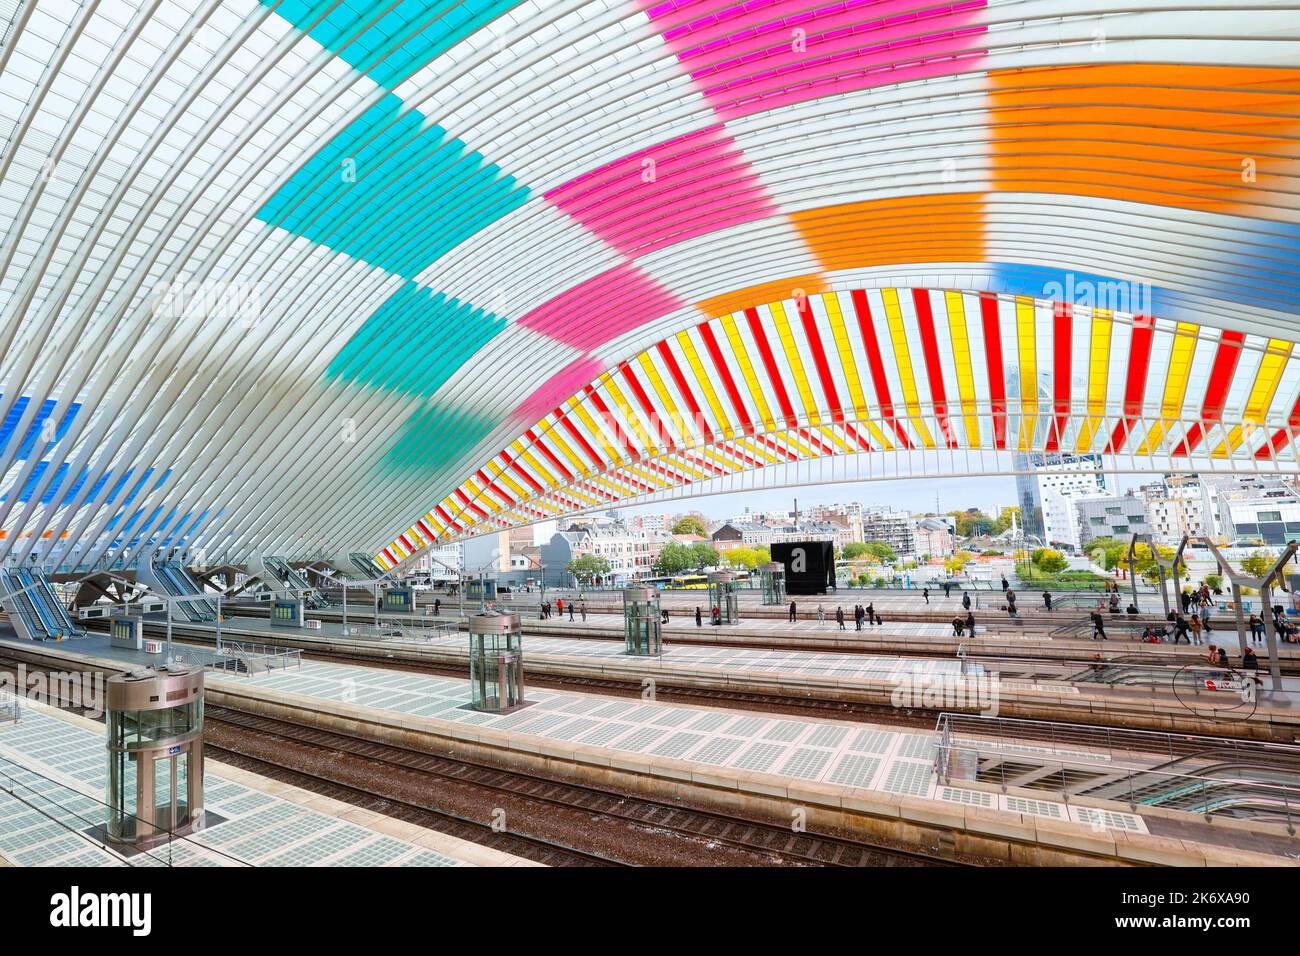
{"x": 1206, "y": 775}
{"x": 10, "y": 708}
{"x": 408, "y": 629}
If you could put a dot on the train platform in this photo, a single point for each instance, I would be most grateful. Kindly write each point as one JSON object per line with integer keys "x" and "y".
{"x": 746, "y": 753}
{"x": 873, "y": 778}
{"x": 53, "y": 779}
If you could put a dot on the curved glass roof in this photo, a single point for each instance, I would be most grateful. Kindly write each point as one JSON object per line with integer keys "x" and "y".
{"x": 286, "y": 277}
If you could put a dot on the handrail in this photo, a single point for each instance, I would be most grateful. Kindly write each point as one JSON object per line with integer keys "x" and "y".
{"x": 1122, "y": 755}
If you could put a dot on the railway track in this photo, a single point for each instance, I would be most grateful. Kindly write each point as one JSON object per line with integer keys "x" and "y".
{"x": 633, "y": 830}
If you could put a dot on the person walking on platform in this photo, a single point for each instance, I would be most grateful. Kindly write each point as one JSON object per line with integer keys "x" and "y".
{"x": 699, "y": 618}
{"x": 570, "y": 612}
{"x": 1005, "y": 585}
{"x": 559, "y": 606}
{"x": 839, "y": 617}
{"x": 1047, "y": 600}
{"x": 793, "y": 613}
{"x": 859, "y": 615}
{"x": 965, "y": 601}
{"x": 925, "y": 593}
{"x": 970, "y": 623}
{"x": 437, "y": 606}
{"x": 582, "y": 608}
{"x": 958, "y": 625}
{"x": 947, "y": 589}
{"x": 1098, "y": 626}
{"x": 821, "y": 616}
{"x": 1180, "y": 629}
{"x": 1195, "y": 626}
{"x": 1256, "y": 628}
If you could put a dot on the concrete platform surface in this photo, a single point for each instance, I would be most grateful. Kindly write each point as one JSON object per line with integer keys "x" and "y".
{"x": 52, "y": 782}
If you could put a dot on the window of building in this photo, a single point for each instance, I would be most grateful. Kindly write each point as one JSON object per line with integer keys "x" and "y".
{"x": 1270, "y": 516}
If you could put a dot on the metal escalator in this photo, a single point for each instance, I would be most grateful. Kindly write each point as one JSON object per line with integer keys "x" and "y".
{"x": 366, "y": 565}
{"x": 178, "y": 583}
{"x": 293, "y": 579}
{"x": 22, "y": 610}
{"x": 42, "y": 594}
{"x": 1260, "y": 786}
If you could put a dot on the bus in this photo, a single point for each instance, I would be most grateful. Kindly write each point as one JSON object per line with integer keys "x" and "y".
{"x": 678, "y": 582}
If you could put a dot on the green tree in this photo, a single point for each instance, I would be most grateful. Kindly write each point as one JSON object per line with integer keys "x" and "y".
{"x": 881, "y": 551}
{"x": 675, "y": 558}
{"x": 1144, "y": 562}
{"x": 1259, "y": 563}
{"x": 855, "y": 551}
{"x": 746, "y": 558}
{"x": 972, "y": 522}
{"x": 1109, "y": 552}
{"x": 1048, "y": 561}
{"x": 690, "y": 524}
{"x": 704, "y": 556}
{"x": 1004, "y": 519}
{"x": 588, "y": 567}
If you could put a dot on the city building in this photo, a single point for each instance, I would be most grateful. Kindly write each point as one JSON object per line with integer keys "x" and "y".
{"x": 1112, "y": 516}
{"x": 1065, "y": 474}
{"x": 934, "y": 536}
{"x": 1179, "y": 505}
{"x": 895, "y": 528}
{"x": 631, "y": 554}
{"x": 1267, "y": 512}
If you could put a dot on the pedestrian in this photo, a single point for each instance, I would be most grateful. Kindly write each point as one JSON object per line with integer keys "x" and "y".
{"x": 821, "y": 615}
{"x": 1256, "y": 628}
{"x": 1005, "y": 585}
{"x": 965, "y": 601}
{"x": 559, "y": 606}
{"x": 925, "y": 593}
{"x": 1206, "y": 603}
{"x": 957, "y": 625}
{"x": 947, "y": 589}
{"x": 571, "y": 612}
{"x": 1195, "y": 626}
{"x": 970, "y": 622}
{"x": 583, "y": 608}
{"x": 1047, "y": 600}
{"x": 1180, "y": 629}
{"x": 716, "y": 616}
{"x": 871, "y": 613}
{"x": 699, "y": 622}
{"x": 793, "y": 613}
{"x": 1098, "y": 626}
{"x": 1249, "y": 662}
{"x": 839, "y": 617}
{"x": 437, "y": 606}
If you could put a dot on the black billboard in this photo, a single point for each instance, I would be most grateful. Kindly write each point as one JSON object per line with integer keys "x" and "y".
{"x": 809, "y": 565}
